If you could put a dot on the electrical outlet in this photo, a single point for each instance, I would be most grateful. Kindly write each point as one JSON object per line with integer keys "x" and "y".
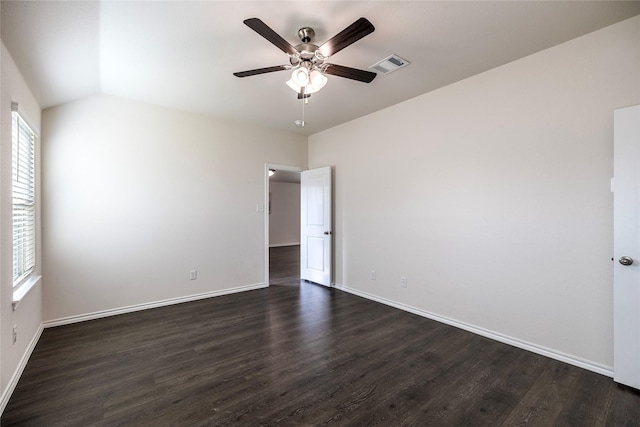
{"x": 403, "y": 281}
{"x": 372, "y": 276}
{"x": 15, "y": 333}
{"x": 193, "y": 274}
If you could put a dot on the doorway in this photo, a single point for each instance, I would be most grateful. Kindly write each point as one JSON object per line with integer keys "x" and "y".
{"x": 282, "y": 225}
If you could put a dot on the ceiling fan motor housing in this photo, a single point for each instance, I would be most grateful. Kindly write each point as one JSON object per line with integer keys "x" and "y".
{"x": 308, "y": 53}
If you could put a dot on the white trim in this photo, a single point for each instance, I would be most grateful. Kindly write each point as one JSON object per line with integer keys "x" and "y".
{"x": 534, "y": 348}
{"x": 139, "y": 307}
{"x": 279, "y": 245}
{"x": 20, "y": 291}
{"x": 13, "y": 382}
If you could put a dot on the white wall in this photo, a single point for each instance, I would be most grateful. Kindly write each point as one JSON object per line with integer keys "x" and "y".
{"x": 284, "y": 221}
{"x": 28, "y": 315}
{"x": 492, "y": 196}
{"x": 135, "y": 196}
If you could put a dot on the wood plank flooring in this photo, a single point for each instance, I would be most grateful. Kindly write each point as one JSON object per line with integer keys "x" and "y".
{"x": 298, "y": 354}
{"x": 284, "y": 265}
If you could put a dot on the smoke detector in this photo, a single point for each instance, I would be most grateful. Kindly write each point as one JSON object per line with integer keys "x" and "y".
{"x": 389, "y": 64}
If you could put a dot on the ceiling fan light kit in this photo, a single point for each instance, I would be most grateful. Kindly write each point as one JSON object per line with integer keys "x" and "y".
{"x": 318, "y": 79}
{"x": 307, "y": 60}
{"x": 310, "y": 83}
{"x": 300, "y": 76}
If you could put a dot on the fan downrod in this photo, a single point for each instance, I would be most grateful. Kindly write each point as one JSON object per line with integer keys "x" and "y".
{"x": 306, "y": 34}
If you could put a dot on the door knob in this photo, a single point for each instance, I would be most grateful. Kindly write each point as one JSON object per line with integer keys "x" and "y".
{"x": 625, "y": 260}
{"x": 328, "y": 233}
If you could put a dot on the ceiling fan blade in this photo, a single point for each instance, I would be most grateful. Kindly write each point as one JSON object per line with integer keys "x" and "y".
{"x": 350, "y": 73}
{"x": 349, "y": 35}
{"x": 261, "y": 71}
{"x": 265, "y": 31}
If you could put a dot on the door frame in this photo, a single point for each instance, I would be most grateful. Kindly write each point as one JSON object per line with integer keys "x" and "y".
{"x": 268, "y": 166}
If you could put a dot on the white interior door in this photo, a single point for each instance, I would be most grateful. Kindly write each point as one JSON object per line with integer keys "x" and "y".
{"x": 315, "y": 226}
{"x": 626, "y": 270}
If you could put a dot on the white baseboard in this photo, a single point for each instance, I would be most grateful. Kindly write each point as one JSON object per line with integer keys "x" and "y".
{"x": 138, "y": 307}
{"x": 13, "y": 382}
{"x": 279, "y": 245}
{"x": 534, "y": 348}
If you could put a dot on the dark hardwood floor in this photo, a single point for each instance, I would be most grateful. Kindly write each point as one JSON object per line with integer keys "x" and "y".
{"x": 284, "y": 265}
{"x": 298, "y": 354}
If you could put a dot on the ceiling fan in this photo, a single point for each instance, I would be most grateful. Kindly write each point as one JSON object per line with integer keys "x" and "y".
{"x": 307, "y": 60}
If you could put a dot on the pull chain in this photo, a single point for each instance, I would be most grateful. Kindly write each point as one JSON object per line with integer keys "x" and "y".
{"x": 304, "y": 101}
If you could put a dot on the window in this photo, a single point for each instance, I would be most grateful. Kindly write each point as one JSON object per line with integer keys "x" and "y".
{"x": 24, "y": 199}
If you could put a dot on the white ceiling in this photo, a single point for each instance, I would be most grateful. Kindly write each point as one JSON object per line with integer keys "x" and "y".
{"x": 182, "y": 54}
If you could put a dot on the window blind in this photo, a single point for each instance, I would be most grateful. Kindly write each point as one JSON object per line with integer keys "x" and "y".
{"x": 23, "y": 193}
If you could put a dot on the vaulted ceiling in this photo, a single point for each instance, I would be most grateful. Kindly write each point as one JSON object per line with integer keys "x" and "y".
{"x": 182, "y": 54}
